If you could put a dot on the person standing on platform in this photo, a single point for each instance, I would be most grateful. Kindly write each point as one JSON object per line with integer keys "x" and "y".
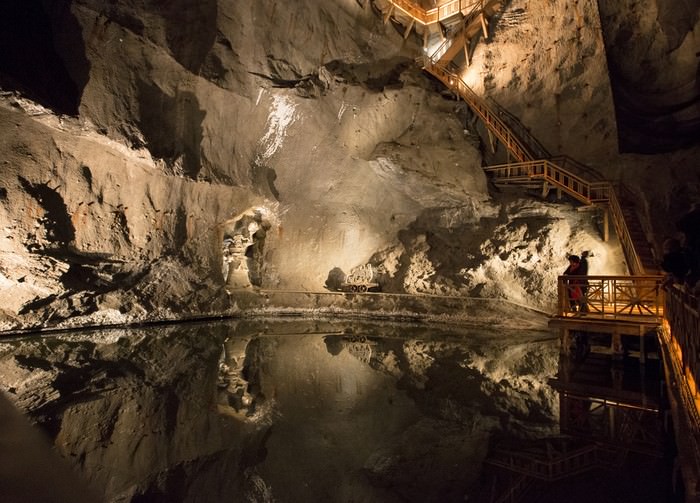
{"x": 573, "y": 286}
{"x": 583, "y": 271}
{"x": 689, "y": 225}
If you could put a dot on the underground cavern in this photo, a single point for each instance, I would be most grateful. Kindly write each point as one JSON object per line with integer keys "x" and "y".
{"x": 328, "y": 173}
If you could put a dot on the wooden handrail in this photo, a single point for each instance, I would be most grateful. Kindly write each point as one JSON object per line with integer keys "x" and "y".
{"x": 582, "y": 190}
{"x": 681, "y": 356}
{"x": 614, "y": 297}
{"x": 555, "y": 466}
{"x": 683, "y": 316}
{"x": 633, "y": 261}
{"x": 436, "y": 14}
{"x": 546, "y": 170}
{"x": 479, "y": 106}
{"x": 470, "y": 17}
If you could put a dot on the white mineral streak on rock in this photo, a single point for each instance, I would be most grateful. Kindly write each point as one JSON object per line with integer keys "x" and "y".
{"x": 281, "y": 117}
{"x": 343, "y": 107}
{"x": 260, "y": 93}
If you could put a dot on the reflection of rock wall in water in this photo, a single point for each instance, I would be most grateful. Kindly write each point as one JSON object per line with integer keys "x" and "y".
{"x": 207, "y": 412}
{"x": 136, "y": 413}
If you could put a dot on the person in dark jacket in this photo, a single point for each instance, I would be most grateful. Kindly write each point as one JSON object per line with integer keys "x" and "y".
{"x": 583, "y": 271}
{"x": 674, "y": 262}
{"x": 689, "y": 225}
{"x": 573, "y": 285}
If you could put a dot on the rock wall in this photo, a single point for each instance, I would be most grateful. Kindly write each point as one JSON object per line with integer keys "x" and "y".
{"x": 207, "y": 150}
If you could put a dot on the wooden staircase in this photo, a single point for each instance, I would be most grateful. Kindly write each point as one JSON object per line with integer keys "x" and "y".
{"x": 645, "y": 251}
{"x": 474, "y": 23}
{"x": 533, "y": 166}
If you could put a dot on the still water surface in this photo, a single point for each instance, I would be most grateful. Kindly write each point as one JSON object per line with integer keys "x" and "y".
{"x": 285, "y": 410}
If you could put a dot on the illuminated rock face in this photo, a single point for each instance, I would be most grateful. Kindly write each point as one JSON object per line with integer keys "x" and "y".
{"x": 191, "y": 120}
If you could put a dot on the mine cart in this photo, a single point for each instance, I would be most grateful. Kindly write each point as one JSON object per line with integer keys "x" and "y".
{"x": 360, "y": 279}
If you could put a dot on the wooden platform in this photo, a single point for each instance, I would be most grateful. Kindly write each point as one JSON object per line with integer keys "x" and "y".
{"x": 627, "y": 325}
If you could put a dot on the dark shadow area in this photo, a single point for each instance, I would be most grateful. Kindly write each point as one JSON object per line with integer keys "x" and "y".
{"x": 335, "y": 279}
{"x": 654, "y": 113}
{"x": 59, "y": 227}
{"x": 190, "y": 30}
{"x": 375, "y": 76}
{"x": 172, "y": 127}
{"x": 650, "y": 123}
{"x": 43, "y": 54}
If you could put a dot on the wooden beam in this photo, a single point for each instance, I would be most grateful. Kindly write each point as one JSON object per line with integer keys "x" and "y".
{"x": 484, "y": 25}
{"x": 606, "y": 224}
{"x": 466, "y": 52}
{"x": 409, "y": 28}
{"x": 388, "y": 14}
{"x": 492, "y": 141}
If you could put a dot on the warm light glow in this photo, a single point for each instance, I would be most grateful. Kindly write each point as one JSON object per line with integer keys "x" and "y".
{"x": 471, "y": 77}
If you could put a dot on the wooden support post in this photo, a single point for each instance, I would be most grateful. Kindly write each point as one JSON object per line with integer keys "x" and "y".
{"x": 558, "y": 193}
{"x": 407, "y": 32}
{"x": 565, "y": 341}
{"x": 388, "y": 14}
{"x": 564, "y": 368}
{"x": 545, "y": 189}
{"x": 484, "y": 25}
{"x": 606, "y": 224}
{"x": 617, "y": 373}
{"x": 492, "y": 142}
{"x": 426, "y": 36}
{"x": 642, "y": 349}
{"x": 611, "y": 422}
{"x": 466, "y": 52}
{"x": 643, "y": 384}
{"x": 617, "y": 350}
{"x": 563, "y": 411}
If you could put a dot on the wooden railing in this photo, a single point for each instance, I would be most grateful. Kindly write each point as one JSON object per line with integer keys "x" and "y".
{"x": 499, "y": 128}
{"x": 551, "y": 466}
{"x": 547, "y": 171}
{"x": 473, "y": 17}
{"x": 634, "y": 263}
{"x": 443, "y": 11}
{"x": 438, "y": 54}
{"x": 613, "y": 297}
{"x": 580, "y": 189}
{"x": 683, "y": 316}
{"x": 680, "y": 346}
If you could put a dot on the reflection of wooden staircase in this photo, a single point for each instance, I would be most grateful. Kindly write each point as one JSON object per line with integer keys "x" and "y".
{"x": 556, "y": 460}
{"x": 550, "y": 460}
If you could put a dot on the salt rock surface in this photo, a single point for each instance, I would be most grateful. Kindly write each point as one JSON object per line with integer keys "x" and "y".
{"x": 195, "y": 124}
